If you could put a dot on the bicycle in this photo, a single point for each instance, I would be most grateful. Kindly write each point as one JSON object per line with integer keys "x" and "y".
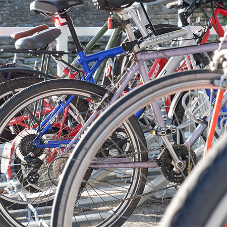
{"x": 31, "y": 176}
{"x": 206, "y": 178}
{"x": 95, "y": 147}
{"x": 86, "y": 155}
{"x": 95, "y": 96}
{"x": 100, "y": 132}
{"x": 193, "y": 205}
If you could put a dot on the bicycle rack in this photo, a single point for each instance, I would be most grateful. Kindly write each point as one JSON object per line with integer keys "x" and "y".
{"x": 43, "y": 223}
{"x": 31, "y": 209}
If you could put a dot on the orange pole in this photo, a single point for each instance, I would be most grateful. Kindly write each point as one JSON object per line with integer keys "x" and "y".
{"x": 214, "y": 120}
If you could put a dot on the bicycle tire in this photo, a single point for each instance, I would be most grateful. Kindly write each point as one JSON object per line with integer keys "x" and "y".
{"x": 26, "y": 78}
{"x": 95, "y": 93}
{"x": 201, "y": 199}
{"x": 116, "y": 114}
{"x": 17, "y": 85}
{"x": 11, "y": 110}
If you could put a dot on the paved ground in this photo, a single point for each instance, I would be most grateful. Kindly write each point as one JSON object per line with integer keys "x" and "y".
{"x": 146, "y": 215}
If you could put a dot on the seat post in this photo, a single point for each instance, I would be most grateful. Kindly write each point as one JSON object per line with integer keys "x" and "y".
{"x": 72, "y": 32}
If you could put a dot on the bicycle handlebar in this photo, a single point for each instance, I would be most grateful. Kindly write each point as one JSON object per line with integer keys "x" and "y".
{"x": 172, "y": 5}
{"x": 189, "y": 6}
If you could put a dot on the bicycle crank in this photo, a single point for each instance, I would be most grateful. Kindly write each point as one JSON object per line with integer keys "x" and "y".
{"x": 188, "y": 157}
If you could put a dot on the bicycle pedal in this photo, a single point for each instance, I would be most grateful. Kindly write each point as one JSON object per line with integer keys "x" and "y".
{"x": 164, "y": 131}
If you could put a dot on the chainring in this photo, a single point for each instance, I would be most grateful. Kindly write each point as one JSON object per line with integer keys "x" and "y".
{"x": 167, "y": 164}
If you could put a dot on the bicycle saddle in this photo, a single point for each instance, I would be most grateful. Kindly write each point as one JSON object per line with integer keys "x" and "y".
{"x": 51, "y": 7}
{"x": 119, "y": 3}
{"x": 111, "y": 5}
{"x": 39, "y": 40}
{"x": 19, "y": 35}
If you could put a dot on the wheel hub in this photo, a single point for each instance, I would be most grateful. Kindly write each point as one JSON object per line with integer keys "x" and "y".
{"x": 26, "y": 146}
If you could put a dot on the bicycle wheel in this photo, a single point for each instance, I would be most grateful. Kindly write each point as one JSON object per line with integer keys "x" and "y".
{"x": 26, "y": 78}
{"x": 70, "y": 207}
{"x": 29, "y": 172}
{"x": 202, "y": 198}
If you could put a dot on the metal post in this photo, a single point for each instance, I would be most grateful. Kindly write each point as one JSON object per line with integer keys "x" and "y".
{"x": 62, "y": 43}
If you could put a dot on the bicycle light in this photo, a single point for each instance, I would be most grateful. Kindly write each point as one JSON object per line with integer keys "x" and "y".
{"x": 112, "y": 23}
{"x": 59, "y": 22}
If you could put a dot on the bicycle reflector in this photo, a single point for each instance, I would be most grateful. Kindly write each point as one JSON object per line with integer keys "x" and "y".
{"x": 112, "y": 23}
{"x": 59, "y": 22}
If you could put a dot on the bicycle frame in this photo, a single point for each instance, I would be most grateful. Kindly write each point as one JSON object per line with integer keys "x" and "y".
{"x": 159, "y": 64}
{"x": 141, "y": 58}
{"x": 84, "y": 60}
{"x": 127, "y": 77}
{"x": 110, "y": 44}
{"x": 214, "y": 22}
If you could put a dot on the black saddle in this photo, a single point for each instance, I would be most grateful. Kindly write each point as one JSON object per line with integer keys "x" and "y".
{"x": 38, "y": 41}
{"x": 119, "y": 3}
{"x": 51, "y": 7}
{"x": 111, "y": 5}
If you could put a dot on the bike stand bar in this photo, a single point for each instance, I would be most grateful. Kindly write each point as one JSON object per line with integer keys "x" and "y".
{"x": 43, "y": 223}
{"x": 214, "y": 120}
{"x": 31, "y": 209}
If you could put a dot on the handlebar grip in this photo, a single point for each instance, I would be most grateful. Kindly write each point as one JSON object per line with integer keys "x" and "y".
{"x": 30, "y": 32}
{"x": 172, "y": 5}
